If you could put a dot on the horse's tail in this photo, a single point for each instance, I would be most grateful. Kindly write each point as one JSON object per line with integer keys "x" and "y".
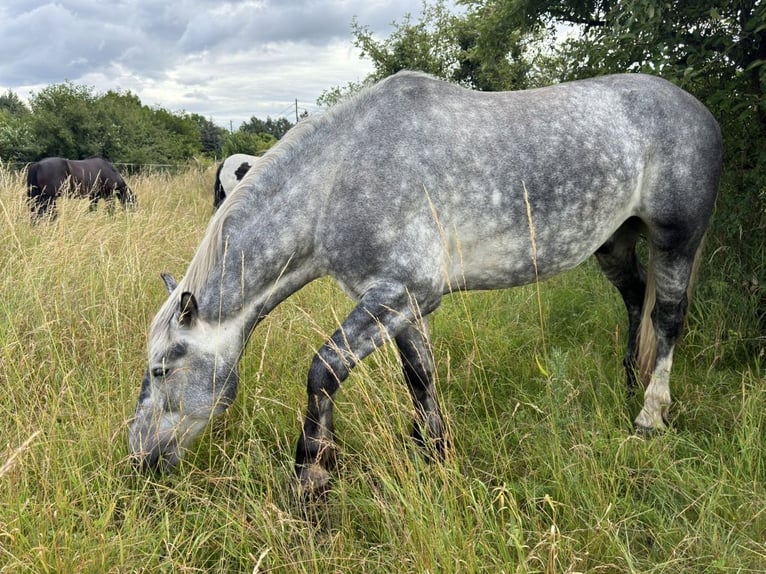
{"x": 647, "y": 339}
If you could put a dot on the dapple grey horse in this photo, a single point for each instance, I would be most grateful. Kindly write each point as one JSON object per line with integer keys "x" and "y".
{"x": 416, "y": 188}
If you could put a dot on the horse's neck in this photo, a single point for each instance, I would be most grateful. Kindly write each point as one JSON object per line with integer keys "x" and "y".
{"x": 268, "y": 255}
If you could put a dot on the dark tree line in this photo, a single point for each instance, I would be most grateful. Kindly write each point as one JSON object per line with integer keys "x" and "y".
{"x": 73, "y": 121}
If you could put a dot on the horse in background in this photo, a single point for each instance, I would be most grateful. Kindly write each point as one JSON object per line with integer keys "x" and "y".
{"x": 93, "y": 178}
{"x": 415, "y": 188}
{"x": 230, "y": 172}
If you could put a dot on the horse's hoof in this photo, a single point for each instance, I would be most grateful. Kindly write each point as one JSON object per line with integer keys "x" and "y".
{"x": 644, "y": 431}
{"x": 314, "y": 481}
{"x": 647, "y": 426}
{"x": 649, "y": 431}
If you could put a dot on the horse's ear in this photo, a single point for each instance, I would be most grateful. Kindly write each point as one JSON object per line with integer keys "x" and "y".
{"x": 189, "y": 311}
{"x": 170, "y": 283}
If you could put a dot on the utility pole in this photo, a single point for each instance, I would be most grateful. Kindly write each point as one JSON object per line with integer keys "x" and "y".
{"x": 296, "y": 110}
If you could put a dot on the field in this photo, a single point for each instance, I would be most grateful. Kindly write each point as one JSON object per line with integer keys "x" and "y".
{"x": 544, "y": 474}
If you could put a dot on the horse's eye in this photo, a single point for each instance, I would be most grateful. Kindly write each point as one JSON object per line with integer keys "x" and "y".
{"x": 159, "y": 372}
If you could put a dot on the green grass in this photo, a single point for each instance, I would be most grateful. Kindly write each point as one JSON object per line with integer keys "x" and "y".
{"x": 544, "y": 474}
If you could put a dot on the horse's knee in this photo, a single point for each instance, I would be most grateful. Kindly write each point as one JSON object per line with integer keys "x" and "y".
{"x": 325, "y": 375}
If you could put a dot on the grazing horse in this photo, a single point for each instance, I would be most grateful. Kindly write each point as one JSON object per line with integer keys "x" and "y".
{"x": 416, "y": 188}
{"x": 230, "y": 172}
{"x": 94, "y": 178}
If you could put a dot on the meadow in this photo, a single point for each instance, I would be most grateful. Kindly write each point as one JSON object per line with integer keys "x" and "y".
{"x": 544, "y": 474}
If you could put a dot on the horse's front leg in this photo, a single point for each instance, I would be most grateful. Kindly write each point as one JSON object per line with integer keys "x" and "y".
{"x": 315, "y": 453}
{"x": 381, "y": 313}
{"x": 418, "y": 366}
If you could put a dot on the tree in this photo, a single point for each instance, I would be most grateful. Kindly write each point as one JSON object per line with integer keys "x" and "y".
{"x": 247, "y": 142}
{"x": 273, "y": 127}
{"x": 63, "y": 121}
{"x": 72, "y": 121}
{"x": 212, "y": 137}
{"x": 715, "y": 49}
{"x": 428, "y": 45}
{"x": 176, "y": 137}
{"x": 120, "y": 119}
{"x": 16, "y": 141}
{"x": 445, "y": 45}
{"x": 12, "y": 104}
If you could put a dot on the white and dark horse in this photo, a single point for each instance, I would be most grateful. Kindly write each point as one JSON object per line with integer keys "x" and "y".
{"x": 416, "y": 188}
{"x": 229, "y": 173}
{"x": 94, "y": 178}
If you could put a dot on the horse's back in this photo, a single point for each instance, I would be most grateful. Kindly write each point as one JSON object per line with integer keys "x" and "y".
{"x": 484, "y": 190}
{"x": 91, "y": 168}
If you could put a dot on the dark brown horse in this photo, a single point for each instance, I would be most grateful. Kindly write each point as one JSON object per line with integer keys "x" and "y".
{"x": 94, "y": 178}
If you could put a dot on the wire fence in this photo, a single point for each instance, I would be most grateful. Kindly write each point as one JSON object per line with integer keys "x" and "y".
{"x": 122, "y": 167}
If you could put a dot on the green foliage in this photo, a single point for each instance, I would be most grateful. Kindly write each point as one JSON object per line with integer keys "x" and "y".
{"x": 273, "y": 127}
{"x": 12, "y": 104}
{"x": 178, "y": 136}
{"x": 73, "y": 121}
{"x": 444, "y": 45}
{"x": 337, "y": 94}
{"x": 496, "y": 49}
{"x": 247, "y": 142}
{"x": 427, "y": 45}
{"x": 118, "y": 117}
{"x": 62, "y": 121}
{"x": 212, "y": 137}
{"x": 16, "y": 141}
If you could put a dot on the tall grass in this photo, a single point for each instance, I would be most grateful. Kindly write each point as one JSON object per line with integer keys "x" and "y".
{"x": 544, "y": 474}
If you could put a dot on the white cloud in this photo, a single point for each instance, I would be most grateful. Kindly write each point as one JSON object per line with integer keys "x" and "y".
{"x": 225, "y": 60}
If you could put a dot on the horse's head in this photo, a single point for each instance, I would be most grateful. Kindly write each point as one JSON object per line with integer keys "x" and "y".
{"x": 127, "y": 198}
{"x": 190, "y": 377}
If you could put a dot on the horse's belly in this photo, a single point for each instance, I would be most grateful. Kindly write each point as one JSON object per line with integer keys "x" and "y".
{"x": 509, "y": 262}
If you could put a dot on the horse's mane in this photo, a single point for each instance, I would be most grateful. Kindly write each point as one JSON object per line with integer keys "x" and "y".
{"x": 266, "y": 172}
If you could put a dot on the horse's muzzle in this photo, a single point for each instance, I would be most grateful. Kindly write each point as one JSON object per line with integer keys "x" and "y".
{"x": 151, "y": 448}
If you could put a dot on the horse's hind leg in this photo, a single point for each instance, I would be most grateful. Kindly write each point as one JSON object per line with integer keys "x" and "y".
{"x": 417, "y": 363}
{"x": 619, "y": 262}
{"x": 673, "y": 270}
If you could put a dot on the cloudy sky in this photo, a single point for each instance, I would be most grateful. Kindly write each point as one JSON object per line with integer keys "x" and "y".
{"x": 227, "y": 61}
